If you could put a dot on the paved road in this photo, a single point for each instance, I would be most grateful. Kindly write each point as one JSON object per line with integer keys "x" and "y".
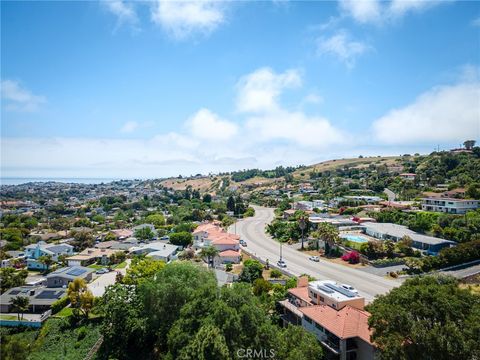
{"x": 252, "y": 230}
{"x": 462, "y": 273}
{"x": 390, "y": 194}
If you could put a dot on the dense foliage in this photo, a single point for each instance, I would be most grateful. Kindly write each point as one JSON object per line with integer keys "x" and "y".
{"x": 427, "y": 318}
{"x": 181, "y": 314}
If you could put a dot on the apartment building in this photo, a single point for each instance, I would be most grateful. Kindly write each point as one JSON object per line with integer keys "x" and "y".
{"x": 334, "y": 315}
{"x": 449, "y": 205}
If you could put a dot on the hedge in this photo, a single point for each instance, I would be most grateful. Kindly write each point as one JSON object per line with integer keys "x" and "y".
{"x": 60, "y": 304}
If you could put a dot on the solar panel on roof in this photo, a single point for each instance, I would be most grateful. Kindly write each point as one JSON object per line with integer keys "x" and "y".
{"x": 76, "y": 272}
{"x": 325, "y": 289}
{"x": 341, "y": 290}
{"x": 49, "y": 294}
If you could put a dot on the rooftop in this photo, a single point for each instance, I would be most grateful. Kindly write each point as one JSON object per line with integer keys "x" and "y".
{"x": 71, "y": 272}
{"x": 38, "y": 295}
{"x": 332, "y": 290}
{"x": 348, "y": 322}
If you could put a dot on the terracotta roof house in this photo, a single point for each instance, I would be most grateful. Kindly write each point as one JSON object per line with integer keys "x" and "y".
{"x": 210, "y": 234}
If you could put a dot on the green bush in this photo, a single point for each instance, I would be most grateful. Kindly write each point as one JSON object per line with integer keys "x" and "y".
{"x": 60, "y": 304}
{"x": 275, "y": 274}
{"x": 81, "y": 333}
{"x": 229, "y": 267}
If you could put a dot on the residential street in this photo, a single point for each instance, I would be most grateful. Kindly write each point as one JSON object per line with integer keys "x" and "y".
{"x": 252, "y": 230}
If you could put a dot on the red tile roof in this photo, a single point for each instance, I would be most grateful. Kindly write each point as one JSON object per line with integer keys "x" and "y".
{"x": 346, "y": 323}
{"x": 301, "y": 293}
{"x": 229, "y": 253}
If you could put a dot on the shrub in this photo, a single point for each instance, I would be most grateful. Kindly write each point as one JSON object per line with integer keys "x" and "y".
{"x": 81, "y": 333}
{"x": 60, "y": 304}
{"x": 276, "y": 274}
{"x": 352, "y": 257}
{"x": 229, "y": 267}
{"x": 388, "y": 262}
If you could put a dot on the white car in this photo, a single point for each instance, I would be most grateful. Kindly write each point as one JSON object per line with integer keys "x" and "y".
{"x": 281, "y": 263}
{"x": 314, "y": 258}
{"x": 349, "y": 288}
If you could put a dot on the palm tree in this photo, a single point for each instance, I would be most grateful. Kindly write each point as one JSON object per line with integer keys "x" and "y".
{"x": 302, "y": 224}
{"x": 209, "y": 252}
{"x": 20, "y": 304}
{"x": 329, "y": 234}
{"x": 46, "y": 260}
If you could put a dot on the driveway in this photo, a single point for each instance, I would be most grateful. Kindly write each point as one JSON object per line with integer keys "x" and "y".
{"x": 98, "y": 286}
{"x": 252, "y": 230}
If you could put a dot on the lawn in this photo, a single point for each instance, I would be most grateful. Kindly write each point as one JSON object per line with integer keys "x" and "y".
{"x": 96, "y": 267}
{"x": 8, "y": 317}
{"x": 121, "y": 265}
{"x": 66, "y": 311}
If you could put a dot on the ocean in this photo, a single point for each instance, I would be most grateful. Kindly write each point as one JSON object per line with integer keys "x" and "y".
{"x": 18, "y": 181}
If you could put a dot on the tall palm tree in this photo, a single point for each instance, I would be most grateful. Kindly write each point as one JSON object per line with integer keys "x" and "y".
{"x": 329, "y": 234}
{"x": 20, "y": 304}
{"x": 209, "y": 252}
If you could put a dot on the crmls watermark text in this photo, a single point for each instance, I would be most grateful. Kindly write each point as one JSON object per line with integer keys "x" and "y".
{"x": 256, "y": 353}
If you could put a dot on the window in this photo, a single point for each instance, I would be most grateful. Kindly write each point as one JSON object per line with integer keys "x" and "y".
{"x": 307, "y": 319}
{"x": 319, "y": 327}
{"x": 322, "y": 299}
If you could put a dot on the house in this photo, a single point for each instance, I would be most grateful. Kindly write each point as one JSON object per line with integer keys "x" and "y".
{"x": 156, "y": 250}
{"x": 40, "y": 298}
{"x": 394, "y": 232}
{"x": 228, "y": 245}
{"x": 122, "y": 234}
{"x": 90, "y": 256}
{"x": 343, "y": 333}
{"x": 334, "y": 315}
{"x": 408, "y": 176}
{"x": 34, "y": 251}
{"x": 449, "y": 205}
{"x": 63, "y": 276}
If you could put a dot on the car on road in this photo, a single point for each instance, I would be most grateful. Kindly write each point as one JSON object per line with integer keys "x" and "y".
{"x": 349, "y": 288}
{"x": 243, "y": 242}
{"x": 314, "y": 258}
{"x": 101, "y": 271}
{"x": 281, "y": 263}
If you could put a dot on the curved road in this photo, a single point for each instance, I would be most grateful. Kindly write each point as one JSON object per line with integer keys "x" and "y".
{"x": 252, "y": 230}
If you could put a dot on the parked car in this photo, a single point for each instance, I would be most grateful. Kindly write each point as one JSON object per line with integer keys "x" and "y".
{"x": 281, "y": 263}
{"x": 166, "y": 237}
{"x": 349, "y": 288}
{"x": 101, "y": 271}
{"x": 314, "y": 258}
{"x": 243, "y": 242}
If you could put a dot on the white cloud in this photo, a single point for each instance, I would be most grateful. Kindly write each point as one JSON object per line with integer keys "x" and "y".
{"x": 363, "y": 11}
{"x": 181, "y": 19}
{"x": 129, "y": 127}
{"x": 124, "y": 11}
{"x": 259, "y": 91}
{"x": 295, "y": 127}
{"x": 207, "y": 125}
{"x": 380, "y": 11}
{"x": 18, "y": 98}
{"x": 445, "y": 113}
{"x": 341, "y": 46}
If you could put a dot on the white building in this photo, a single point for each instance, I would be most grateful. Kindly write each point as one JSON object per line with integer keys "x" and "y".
{"x": 449, "y": 205}
{"x": 328, "y": 292}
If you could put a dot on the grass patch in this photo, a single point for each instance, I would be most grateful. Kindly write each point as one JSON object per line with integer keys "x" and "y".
{"x": 122, "y": 265}
{"x": 95, "y": 266}
{"x": 8, "y": 317}
{"x": 67, "y": 311}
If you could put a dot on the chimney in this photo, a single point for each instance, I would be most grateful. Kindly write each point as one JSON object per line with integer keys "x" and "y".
{"x": 302, "y": 281}
{"x": 32, "y": 292}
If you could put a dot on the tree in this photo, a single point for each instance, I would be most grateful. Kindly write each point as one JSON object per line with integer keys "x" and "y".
{"x": 261, "y": 286}
{"x": 209, "y": 252}
{"x": 252, "y": 270}
{"x": 80, "y": 297}
{"x": 469, "y": 144}
{"x": 426, "y": 318}
{"x": 208, "y": 343}
{"x": 46, "y": 260}
{"x": 20, "y": 304}
{"x": 329, "y": 234}
{"x": 142, "y": 269}
{"x": 389, "y": 247}
{"x": 372, "y": 249}
{"x": 83, "y": 239}
{"x": 157, "y": 220}
{"x": 231, "y": 204}
{"x": 13, "y": 348}
{"x": 207, "y": 198}
{"x": 182, "y": 238}
{"x": 144, "y": 233}
{"x": 11, "y": 278}
{"x": 404, "y": 245}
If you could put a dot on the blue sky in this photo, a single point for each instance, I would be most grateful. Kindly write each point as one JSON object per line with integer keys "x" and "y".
{"x": 154, "y": 89}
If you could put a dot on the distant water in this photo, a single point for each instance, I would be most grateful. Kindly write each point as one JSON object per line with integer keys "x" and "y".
{"x": 18, "y": 181}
